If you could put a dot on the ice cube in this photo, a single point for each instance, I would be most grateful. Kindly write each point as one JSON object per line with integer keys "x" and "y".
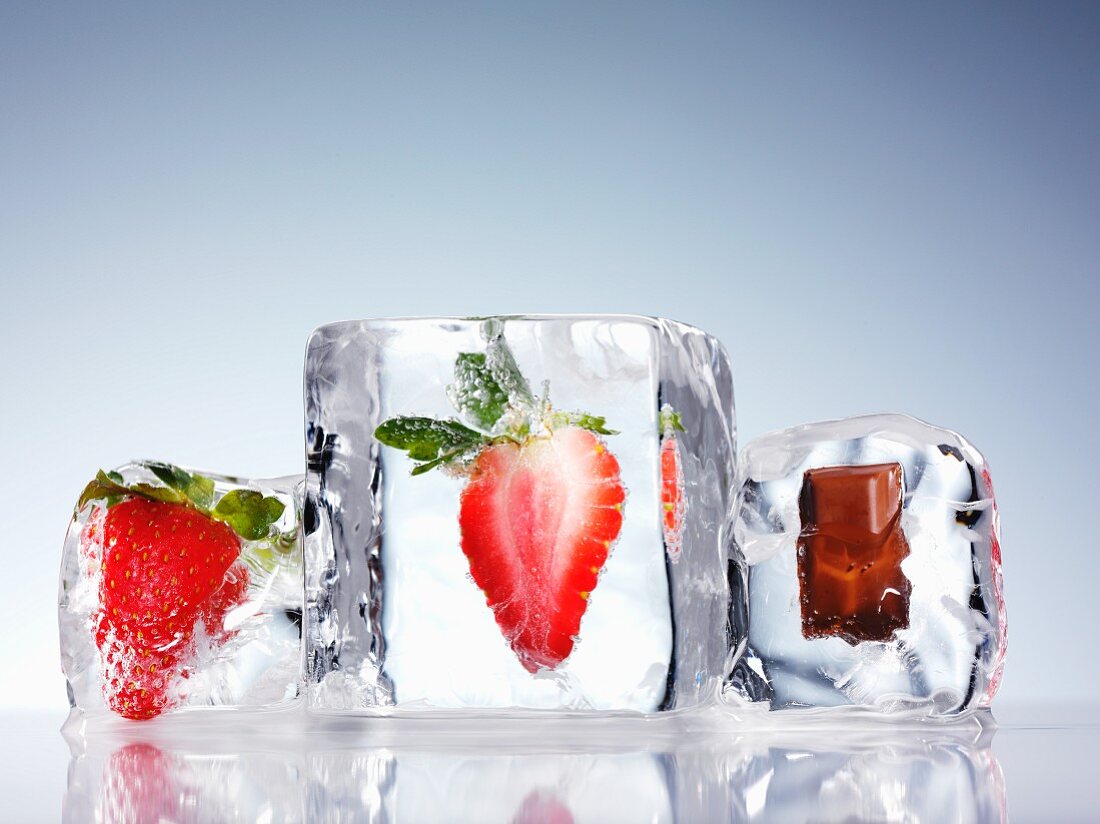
{"x": 181, "y": 589}
{"x": 874, "y": 566}
{"x": 525, "y": 512}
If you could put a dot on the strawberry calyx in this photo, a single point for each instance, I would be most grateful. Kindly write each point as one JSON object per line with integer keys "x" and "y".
{"x": 250, "y": 514}
{"x": 670, "y": 421}
{"x": 495, "y": 404}
{"x": 593, "y": 423}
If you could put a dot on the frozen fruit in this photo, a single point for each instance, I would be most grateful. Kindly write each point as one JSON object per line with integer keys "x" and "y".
{"x": 672, "y": 483}
{"x": 542, "y": 505}
{"x": 394, "y": 617}
{"x": 538, "y": 519}
{"x": 170, "y": 566}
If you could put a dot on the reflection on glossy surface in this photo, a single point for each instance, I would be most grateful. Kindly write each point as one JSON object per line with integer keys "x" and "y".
{"x": 144, "y": 782}
{"x": 393, "y": 773}
{"x": 894, "y": 782}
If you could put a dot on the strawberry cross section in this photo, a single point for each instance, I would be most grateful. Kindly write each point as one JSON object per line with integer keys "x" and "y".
{"x": 542, "y": 504}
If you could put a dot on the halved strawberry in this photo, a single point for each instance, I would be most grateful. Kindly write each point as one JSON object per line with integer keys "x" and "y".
{"x": 167, "y": 562}
{"x": 672, "y": 484}
{"x": 542, "y": 506}
{"x": 538, "y": 520}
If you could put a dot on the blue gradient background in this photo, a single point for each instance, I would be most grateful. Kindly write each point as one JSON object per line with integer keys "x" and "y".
{"x": 876, "y": 206}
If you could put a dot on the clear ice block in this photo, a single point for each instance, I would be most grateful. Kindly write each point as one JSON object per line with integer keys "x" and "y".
{"x": 874, "y": 567}
{"x": 181, "y": 590}
{"x": 522, "y": 512}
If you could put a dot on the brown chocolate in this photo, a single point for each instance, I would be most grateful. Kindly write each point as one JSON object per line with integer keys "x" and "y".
{"x": 850, "y": 552}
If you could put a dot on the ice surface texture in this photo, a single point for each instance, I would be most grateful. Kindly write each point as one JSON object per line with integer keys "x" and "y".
{"x": 569, "y": 469}
{"x": 918, "y": 618}
{"x": 164, "y": 608}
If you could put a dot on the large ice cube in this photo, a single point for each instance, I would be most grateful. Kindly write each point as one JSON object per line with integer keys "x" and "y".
{"x": 569, "y": 553}
{"x": 874, "y": 566}
{"x": 181, "y": 589}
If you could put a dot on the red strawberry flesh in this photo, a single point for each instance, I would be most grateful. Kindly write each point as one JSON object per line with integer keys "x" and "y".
{"x": 538, "y": 520}
{"x": 672, "y": 495}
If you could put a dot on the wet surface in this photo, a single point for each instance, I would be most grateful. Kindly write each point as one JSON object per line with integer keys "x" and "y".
{"x": 1034, "y": 765}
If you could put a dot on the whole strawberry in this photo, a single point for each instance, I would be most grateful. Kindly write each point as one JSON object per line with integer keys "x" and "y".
{"x": 170, "y": 566}
{"x": 542, "y": 505}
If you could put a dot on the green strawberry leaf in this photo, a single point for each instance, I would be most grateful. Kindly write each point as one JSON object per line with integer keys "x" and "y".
{"x": 107, "y": 485}
{"x": 194, "y": 488}
{"x": 476, "y": 393}
{"x": 157, "y": 493}
{"x": 593, "y": 423}
{"x": 248, "y": 513}
{"x": 502, "y": 364}
{"x": 110, "y": 487}
{"x": 426, "y": 439}
{"x": 446, "y": 457}
{"x": 671, "y": 420}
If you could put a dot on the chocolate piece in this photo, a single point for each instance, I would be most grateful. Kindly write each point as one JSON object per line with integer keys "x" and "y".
{"x": 850, "y": 551}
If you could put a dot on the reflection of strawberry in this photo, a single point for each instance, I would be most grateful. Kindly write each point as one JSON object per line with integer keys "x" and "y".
{"x": 168, "y": 562}
{"x": 537, "y": 522}
{"x": 542, "y": 808}
{"x": 139, "y": 784}
{"x": 542, "y": 506}
{"x": 672, "y": 483}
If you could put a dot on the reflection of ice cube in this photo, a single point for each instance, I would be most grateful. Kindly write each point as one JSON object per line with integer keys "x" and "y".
{"x": 949, "y": 655}
{"x": 393, "y": 616}
{"x": 252, "y": 659}
{"x": 515, "y": 770}
{"x": 461, "y": 784}
{"x": 206, "y": 779}
{"x": 887, "y": 776}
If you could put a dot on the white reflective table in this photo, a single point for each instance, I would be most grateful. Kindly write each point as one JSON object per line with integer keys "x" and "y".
{"x": 1033, "y": 764}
